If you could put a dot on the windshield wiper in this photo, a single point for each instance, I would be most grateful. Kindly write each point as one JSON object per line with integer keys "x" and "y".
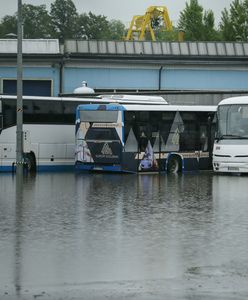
{"x": 232, "y": 136}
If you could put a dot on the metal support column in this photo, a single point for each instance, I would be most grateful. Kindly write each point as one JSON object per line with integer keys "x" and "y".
{"x": 19, "y": 104}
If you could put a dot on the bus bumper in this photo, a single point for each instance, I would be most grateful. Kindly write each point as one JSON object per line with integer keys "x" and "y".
{"x": 230, "y": 167}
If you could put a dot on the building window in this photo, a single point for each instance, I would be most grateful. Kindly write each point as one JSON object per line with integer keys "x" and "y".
{"x": 30, "y": 87}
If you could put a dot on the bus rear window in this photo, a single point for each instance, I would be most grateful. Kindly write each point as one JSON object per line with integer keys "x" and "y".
{"x": 102, "y": 134}
{"x": 99, "y": 116}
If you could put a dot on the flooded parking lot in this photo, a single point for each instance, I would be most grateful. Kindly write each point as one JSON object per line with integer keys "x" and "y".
{"x": 105, "y": 236}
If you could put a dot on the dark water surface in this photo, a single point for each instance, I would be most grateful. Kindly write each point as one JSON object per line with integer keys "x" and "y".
{"x": 105, "y": 236}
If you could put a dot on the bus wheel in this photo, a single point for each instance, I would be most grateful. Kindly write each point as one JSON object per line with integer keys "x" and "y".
{"x": 174, "y": 165}
{"x": 30, "y": 162}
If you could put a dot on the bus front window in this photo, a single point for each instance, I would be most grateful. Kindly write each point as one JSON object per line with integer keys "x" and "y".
{"x": 233, "y": 121}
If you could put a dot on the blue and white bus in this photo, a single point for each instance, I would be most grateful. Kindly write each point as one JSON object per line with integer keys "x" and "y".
{"x": 143, "y": 138}
{"x": 48, "y": 129}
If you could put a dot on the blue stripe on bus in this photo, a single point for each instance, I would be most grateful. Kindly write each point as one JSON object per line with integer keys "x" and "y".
{"x": 55, "y": 168}
{"x": 81, "y": 167}
{"x": 41, "y": 168}
{"x": 6, "y": 169}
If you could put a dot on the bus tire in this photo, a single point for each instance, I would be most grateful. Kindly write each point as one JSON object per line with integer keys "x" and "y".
{"x": 174, "y": 165}
{"x": 30, "y": 162}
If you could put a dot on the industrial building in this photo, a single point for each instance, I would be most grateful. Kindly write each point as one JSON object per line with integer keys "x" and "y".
{"x": 184, "y": 72}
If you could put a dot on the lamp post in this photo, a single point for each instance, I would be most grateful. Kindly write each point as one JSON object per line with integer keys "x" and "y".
{"x": 19, "y": 104}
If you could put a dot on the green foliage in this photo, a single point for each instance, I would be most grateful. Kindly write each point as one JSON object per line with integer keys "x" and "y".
{"x": 37, "y": 22}
{"x": 160, "y": 31}
{"x": 210, "y": 33}
{"x": 64, "y": 19}
{"x": 117, "y": 30}
{"x": 226, "y": 27}
{"x": 191, "y": 21}
{"x": 93, "y": 27}
{"x": 197, "y": 24}
{"x": 63, "y": 22}
{"x": 163, "y": 35}
{"x": 234, "y": 24}
{"x": 8, "y": 26}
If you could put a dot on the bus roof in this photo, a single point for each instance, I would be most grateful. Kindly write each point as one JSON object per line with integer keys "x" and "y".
{"x": 137, "y": 98}
{"x": 134, "y": 107}
{"x": 171, "y": 107}
{"x": 234, "y": 100}
{"x": 115, "y": 99}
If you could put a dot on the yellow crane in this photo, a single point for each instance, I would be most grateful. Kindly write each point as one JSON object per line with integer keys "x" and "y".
{"x": 141, "y": 24}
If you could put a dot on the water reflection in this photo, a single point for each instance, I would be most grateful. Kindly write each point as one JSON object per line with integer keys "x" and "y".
{"x": 58, "y": 229}
{"x": 19, "y": 221}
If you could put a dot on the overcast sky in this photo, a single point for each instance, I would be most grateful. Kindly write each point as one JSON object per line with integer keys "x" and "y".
{"x": 122, "y": 10}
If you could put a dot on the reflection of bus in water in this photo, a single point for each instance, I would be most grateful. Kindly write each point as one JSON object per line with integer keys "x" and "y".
{"x": 230, "y": 152}
{"x": 143, "y": 138}
{"x": 48, "y": 129}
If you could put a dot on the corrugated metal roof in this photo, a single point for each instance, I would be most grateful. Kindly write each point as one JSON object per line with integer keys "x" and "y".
{"x": 137, "y": 48}
{"x": 216, "y": 49}
{"x": 31, "y": 46}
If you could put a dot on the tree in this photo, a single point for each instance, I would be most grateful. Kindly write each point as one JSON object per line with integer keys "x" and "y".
{"x": 210, "y": 33}
{"x": 64, "y": 19}
{"x": 97, "y": 27}
{"x": 167, "y": 35}
{"x": 226, "y": 28}
{"x": 37, "y": 22}
{"x": 117, "y": 30}
{"x": 8, "y": 26}
{"x": 190, "y": 21}
{"x": 197, "y": 24}
{"x": 94, "y": 27}
{"x": 234, "y": 24}
{"x": 63, "y": 22}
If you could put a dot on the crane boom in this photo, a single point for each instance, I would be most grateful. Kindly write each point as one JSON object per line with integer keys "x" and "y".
{"x": 141, "y": 24}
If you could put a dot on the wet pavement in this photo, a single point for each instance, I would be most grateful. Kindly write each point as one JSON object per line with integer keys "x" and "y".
{"x": 105, "y": 236}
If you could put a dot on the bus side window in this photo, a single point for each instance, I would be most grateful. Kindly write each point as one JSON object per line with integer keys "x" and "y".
{"x": 189, "y": 136}
{"x": 28, "y": 111}
{"x": 129, "y": 123}
{"x": 69, "y": 111}
{"x": 1, "y": 123}
{"x": 48, "y": 112}
{"x": 9, "y": 112}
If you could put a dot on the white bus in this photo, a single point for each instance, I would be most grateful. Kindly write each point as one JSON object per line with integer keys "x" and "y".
{"x": 48, "y": 129}
{"x": 143, "y": 138}
{"x": 230, "y": 152}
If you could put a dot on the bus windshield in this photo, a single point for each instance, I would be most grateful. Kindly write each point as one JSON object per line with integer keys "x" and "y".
{"x": 233, "y": 121}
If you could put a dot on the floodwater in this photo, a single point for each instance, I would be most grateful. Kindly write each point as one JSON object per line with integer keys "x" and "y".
{"x": 108, "y": 236}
